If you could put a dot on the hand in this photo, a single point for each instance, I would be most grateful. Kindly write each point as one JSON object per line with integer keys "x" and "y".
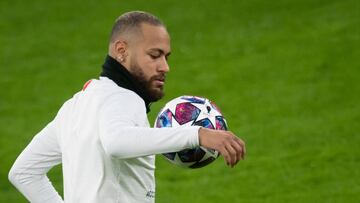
{"x": 230, "y": 147}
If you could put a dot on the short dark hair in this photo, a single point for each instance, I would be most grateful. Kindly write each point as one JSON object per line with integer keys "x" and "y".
{"x": 132, "y": 20}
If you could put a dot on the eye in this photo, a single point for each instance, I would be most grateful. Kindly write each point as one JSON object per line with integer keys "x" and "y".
{"x": 154, "y": 56}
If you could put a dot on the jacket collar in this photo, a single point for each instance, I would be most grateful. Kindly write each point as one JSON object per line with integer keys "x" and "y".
{"x": 113, "y": 70}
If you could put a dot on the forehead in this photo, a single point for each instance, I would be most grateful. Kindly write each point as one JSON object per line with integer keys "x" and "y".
{"x": 155, "y": 37}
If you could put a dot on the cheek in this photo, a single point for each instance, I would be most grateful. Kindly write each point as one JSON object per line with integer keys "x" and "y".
{"x": 147, "y": 66}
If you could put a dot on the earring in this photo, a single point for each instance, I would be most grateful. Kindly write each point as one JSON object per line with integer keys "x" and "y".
{"x": 121, "y": 59}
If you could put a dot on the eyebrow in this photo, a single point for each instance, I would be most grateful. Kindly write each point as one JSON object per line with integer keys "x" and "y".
{"x": 161, "y": 51}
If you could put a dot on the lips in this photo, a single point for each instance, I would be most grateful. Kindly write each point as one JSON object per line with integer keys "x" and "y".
{"x": 159, "y": 80}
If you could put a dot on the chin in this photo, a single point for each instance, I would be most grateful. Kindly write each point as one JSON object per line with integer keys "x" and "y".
{"x": 156, "y": 94}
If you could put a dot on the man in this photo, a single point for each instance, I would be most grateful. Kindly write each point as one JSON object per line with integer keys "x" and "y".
{"x": 102, "y": 135}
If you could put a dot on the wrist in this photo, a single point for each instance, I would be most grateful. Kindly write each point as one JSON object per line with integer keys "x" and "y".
{"x": 202, "y": 132}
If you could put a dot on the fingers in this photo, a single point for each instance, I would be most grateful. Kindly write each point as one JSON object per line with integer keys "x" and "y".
{"x": 241, "y": 143}
{"x": 234, "y": 150}
{"x": 239, "y": 151}
{"x": 227, "y": 157}
{"x": 233, "y": 155}
{"x": 230, "y": 147}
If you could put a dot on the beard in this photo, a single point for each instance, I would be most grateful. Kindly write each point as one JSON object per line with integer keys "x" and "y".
{"x": 153, "y": 92}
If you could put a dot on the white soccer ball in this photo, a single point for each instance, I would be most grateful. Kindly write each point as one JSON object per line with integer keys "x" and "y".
{"x": 191, "y": 111}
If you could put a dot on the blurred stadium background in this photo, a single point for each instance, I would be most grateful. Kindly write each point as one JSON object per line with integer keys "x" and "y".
{"x": 286, "y": 75}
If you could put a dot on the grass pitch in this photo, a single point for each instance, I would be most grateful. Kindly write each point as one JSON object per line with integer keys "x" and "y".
{"x": 285, "y": 74}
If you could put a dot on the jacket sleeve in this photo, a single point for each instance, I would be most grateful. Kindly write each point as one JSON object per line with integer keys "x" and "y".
{"x": 28, "y": 173}
{"x": 123, "y": 137}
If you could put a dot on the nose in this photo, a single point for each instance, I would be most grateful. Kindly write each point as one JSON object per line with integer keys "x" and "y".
{"x": 164, "y": 66}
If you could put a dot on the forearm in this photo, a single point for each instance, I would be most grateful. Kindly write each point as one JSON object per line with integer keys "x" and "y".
{"x": 130, "y": 142}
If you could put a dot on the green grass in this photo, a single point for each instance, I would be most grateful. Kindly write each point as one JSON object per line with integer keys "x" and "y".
{"x": 285, "y": 74}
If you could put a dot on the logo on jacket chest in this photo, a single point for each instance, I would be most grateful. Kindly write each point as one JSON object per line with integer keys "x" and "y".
{"x": 150, "y": 194}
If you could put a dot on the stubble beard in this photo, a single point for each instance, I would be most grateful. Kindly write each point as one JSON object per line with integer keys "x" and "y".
{"x": 153, "y": 92}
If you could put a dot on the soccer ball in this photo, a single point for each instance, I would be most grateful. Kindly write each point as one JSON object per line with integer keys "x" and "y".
{"x": 191, "y": 111}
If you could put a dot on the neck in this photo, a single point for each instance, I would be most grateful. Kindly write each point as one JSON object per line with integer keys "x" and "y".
{"x": 115, "y": 71}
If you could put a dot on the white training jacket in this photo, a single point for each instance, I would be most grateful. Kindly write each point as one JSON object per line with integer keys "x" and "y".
{"x": 103, "y": 139}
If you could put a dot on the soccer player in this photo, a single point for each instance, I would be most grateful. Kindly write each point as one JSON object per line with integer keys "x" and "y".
{"x": 102, "y": 135}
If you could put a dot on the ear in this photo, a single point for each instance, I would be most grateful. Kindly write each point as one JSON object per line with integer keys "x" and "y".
{"x": 121, "y": 50}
